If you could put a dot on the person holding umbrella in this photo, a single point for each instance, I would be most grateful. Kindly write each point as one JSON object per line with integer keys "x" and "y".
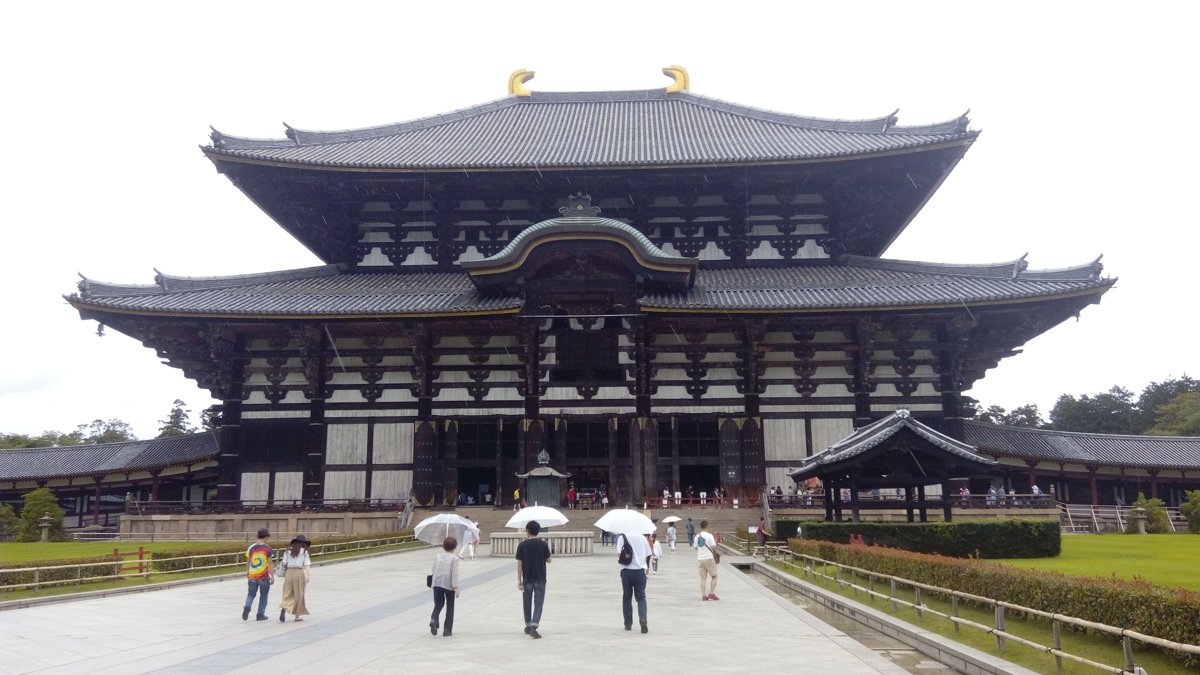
{"x": 444, "y": 581}
{"x": 295, "y": 563}
{"x": 633, "y": 529}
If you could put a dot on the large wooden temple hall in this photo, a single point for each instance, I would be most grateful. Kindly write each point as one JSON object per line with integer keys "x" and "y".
{"x": 659, "y": 289}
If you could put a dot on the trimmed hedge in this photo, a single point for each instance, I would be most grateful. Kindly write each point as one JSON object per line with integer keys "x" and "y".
{"x": 232, "y": 553}
{"x": 1015, "y": 538}
{"x": 97, "y": 566}
{"x": 1138, "y": 605}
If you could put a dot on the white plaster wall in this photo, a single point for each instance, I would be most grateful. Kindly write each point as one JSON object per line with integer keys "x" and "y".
{"x": 783, "y": 439}
{"x": 826, "y": 432}
{"x": 289, "y": 485}
{"x": 254, "y": 485}
{"x": 393, "y": 443}
{"x": 346, "y": 444}
{"x": 391, "y": 484}
{"x": 345, "y": 484}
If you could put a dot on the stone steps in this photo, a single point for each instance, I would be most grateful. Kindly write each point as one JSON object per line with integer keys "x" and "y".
{"x": 493, "y": 520}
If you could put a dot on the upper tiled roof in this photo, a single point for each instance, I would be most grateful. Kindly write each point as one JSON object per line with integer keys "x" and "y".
{"x": 860, "y": 283}
{"x": 93, "y": 460}
{"x": 591, "y": 129}
{"x": 879, "y": 431}
{"x": 1080, "y": 448}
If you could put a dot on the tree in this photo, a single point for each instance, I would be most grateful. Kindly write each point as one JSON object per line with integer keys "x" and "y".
{"x": 178, "y": 422}
{"x": 1158, "y": 394}
{"x": 1112, "y": 412}
{"x": 1157, "y": 520}
{"x": 101, "y": 431}
{"x": 210, "y": 417}
{"x": 38, "y": 503}
{"x": 9, "y": 522}
{"x": 1178, "y": 417}
{"x": 1191, "y": 510}
{"x": 1022, "y": 416}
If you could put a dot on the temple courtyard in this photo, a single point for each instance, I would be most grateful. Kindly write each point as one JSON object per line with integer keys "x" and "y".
{"x": 372, "y": 616}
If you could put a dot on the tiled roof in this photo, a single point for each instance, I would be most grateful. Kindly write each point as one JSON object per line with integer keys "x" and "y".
{"x": 1080, "y": 448}
{"x": 91, "y": 460}
{"x": 586, "y": 129}
{"x": 860, "y": 283}
{"x": 879, "y": 431}
{"x": 871, "y": 282}
{"x": 316, "y": 291}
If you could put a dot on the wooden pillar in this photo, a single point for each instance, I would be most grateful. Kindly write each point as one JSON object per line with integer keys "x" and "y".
{"x": 1095, "y": 495}
{"x": 154, "y": 484}
{"x": 637, "y": 461}
{"x": 854, "y": 512}
{"x": 828, "y": 486}
{"x": 1153, "y": 483}
{"x": 837, "y": 502}
{"x": 946, "y": 515}
{"x": 229, "y": 436}
{"x": 449, "y": 441}
{"x": 908, "y": 503}
{"x": 922, "y": 505}
{"x": 96, "y": 500}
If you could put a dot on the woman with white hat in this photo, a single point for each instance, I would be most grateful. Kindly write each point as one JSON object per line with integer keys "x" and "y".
{"x": 295, "y": 564}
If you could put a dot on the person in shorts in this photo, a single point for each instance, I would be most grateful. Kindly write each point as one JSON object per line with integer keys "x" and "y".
{"x": 704, "y": 561}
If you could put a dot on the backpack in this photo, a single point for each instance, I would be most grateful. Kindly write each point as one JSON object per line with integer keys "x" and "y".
{"x": 626, "y": 555}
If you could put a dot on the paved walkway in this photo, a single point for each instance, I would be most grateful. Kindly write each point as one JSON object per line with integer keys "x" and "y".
{"x": 372, "y": 616}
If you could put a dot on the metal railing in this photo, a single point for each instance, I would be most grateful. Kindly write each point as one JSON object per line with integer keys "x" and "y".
{"x": 152, "y": 566}
{"x": 786, "y": 557}
{"x": 1088, "y": 518}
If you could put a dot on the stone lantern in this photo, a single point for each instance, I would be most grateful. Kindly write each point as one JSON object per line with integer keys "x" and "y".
{"x": 44, "y": 523}
{"x": 1138, "y": 515}
{"x": 543, "y": 485}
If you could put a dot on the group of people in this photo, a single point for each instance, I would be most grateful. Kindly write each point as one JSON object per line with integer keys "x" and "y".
{"x": 533, "y": 555}
{"x": 261, "y": 570}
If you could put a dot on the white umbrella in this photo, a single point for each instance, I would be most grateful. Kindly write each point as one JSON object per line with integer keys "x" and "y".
{"x": 435, "y": 529}
{"x": 672, "y": 519}
{"x": 544, "y": 515}
{"x": 625, "y": 521}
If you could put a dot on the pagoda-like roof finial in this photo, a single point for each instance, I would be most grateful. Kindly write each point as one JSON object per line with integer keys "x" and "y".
{"x": 516, "y": 82}
{"x": 680, "y": 75}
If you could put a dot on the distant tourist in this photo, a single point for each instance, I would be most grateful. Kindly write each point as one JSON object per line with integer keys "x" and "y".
{"x": 633, "y": 579}
{"x": 258, "y": 575}
{"x": 444, "y": 581}
{"x": 691, "y": 532}
{"x": 706, "y": 563}
{"x": 295, "y": 563}
{"x": 655, "y": 552}
{"x": 532, "y": 557}
{"x": 671, "y": 536}
{"x": 762, "y": 532}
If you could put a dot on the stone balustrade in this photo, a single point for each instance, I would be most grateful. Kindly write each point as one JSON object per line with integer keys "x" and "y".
{"x": 504, "y": 544}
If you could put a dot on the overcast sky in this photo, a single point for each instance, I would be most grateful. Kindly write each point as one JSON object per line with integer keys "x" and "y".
{"x": 1088, "y": 148}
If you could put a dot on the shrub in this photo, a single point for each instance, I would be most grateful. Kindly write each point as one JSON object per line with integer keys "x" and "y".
{"x": 1137, "y": 605}
{"x": 1157, "y": 521}
{"x": 38, "y": 503}
{"x": 1014, "y": 538}
{"x": 9, "y": 522}
{"x": 96, "y": 566}
{"x": 1191, "y": 510}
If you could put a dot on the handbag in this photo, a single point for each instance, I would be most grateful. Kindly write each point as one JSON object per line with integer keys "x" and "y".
{"x": 716, "y": 555}
{"x": 429, "y": 581}
{"x": 281, "y": 569}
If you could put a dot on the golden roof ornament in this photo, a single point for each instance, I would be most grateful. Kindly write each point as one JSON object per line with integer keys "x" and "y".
{"x": 516, "y": 82}
{"x": 680, "y": 75}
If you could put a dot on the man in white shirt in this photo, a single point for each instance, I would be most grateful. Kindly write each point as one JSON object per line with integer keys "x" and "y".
{"x": 704, "y": 560}
{"x": 633, "y": 579}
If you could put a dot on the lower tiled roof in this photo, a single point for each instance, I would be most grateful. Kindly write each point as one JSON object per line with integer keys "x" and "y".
{"x": 859, "y": 283}
{"x": 93, "y": 460}
{"x": 1068, "y": 447}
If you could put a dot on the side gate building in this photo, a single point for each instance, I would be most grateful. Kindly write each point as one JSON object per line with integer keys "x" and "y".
{"x": 660, "y": 289}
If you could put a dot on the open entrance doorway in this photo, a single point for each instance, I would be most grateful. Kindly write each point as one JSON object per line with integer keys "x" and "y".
{"x": 698, "y": 479}
{"x": 477, "y": 485}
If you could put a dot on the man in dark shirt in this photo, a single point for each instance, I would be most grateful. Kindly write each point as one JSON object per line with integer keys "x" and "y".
{"x": 532, "y": 557}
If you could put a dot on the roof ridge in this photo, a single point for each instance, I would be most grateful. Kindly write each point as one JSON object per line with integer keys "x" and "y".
{"x": 165, "y": 283}
{"x": 296, "y": 137}
{"x": 1013, "y": 269}
{"x": 1088, "y": 434}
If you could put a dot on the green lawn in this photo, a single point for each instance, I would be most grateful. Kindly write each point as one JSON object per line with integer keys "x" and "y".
{"x": 1163, "y": 559}
{"x": 11, "y": 552}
